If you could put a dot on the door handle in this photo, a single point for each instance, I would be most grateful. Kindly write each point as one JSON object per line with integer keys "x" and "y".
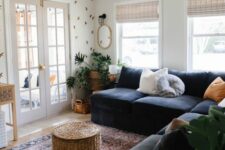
{"x": 41, "y": 67}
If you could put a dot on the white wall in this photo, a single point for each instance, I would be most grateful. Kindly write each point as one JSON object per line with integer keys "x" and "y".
{"x": 174, "y": 24}
{"x": 174, "y": 31}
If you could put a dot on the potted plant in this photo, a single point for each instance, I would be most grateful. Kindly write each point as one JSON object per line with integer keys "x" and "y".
{"x": 208, "y": 132}
{"x": 88, "y": 77}
{"x": 99, "y": 71}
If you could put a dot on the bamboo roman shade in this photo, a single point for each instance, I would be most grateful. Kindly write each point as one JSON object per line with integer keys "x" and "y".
{"x": 206, "y": 7}
{"x": 137, "y": 12}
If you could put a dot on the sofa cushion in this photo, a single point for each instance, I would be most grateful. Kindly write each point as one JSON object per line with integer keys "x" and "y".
{"x": 203, "y": 107}
{"x": 161, "y": 106}
{"x": 186, "y": 117}
{"x": 149, "y": 143}
{"x": 129, "y": 78}
{"x": 117, "y": 99}
{"x": 195, "y": 82}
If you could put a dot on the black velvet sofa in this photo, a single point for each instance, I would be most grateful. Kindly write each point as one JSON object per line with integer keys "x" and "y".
{"x": 125, "y": 108}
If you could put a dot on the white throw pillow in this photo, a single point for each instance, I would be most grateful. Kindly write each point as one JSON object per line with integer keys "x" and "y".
{"x": 148, "y": 80}
{"x": 222, "y": 103}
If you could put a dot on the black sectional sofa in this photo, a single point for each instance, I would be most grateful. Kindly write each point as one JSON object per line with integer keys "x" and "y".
{"x": 125, "y": 108}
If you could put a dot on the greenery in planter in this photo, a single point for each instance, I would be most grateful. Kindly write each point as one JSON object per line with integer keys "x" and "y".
{"x": 99, "y": 63}
{"x": 208, "y": 132}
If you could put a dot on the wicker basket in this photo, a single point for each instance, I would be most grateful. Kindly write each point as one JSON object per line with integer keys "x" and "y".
{"x": 76, "y": 136}
{"x": 6, "y": 93}
{"x": 81, "y": 107}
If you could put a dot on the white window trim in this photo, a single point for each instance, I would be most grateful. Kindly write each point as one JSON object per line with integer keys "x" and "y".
{"x": 120, "y": 36}
{"x": 191, "y": 36}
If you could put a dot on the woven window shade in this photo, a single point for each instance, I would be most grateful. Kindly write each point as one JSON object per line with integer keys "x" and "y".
{"x": 137, "y": 12}
{"x": 206, "y": 7}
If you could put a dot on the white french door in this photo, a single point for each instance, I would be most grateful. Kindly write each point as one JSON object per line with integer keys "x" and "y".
{"x": 41, "y": 57}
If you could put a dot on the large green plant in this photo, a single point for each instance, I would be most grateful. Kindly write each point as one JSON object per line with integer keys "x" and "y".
{"x": 208, "y": 132}
{"x": 99, "y": 63}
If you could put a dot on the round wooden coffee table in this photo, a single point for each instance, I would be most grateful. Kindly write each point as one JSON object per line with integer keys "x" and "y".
{"x": 76, "y": 136}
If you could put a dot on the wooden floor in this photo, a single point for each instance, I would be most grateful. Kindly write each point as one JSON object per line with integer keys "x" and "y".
{"x": 44, "y": 127}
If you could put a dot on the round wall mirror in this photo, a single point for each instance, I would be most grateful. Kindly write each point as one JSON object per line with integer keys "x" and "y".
{"x": 104, "y": 36}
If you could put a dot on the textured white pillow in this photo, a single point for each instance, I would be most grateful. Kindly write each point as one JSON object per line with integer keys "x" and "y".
{"x": 222, "y": 103}
{"x": 148, "y": 79}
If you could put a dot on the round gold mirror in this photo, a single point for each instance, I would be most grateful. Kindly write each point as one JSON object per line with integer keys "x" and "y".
{"x": 104, "y": 36}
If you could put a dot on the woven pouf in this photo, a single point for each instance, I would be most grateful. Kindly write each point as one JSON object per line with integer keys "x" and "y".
{"x": 76, "y": 136}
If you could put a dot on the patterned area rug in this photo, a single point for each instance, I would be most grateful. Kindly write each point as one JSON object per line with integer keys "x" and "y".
{"x": 112, "y": 139}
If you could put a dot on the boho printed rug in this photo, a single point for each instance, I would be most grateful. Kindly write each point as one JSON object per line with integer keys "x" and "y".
{"x": 112, "y": 139}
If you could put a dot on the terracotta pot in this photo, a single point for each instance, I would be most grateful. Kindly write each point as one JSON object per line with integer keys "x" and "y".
{"x": 95, "y": 81}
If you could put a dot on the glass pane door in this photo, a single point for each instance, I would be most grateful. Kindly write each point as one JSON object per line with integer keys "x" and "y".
{"x": 56, "y": 49}
{"x": 41, "y": 37}
{"x": 56, "y": 46}
{"x": 27, "y": 53}
{"x": 28, "y": 59}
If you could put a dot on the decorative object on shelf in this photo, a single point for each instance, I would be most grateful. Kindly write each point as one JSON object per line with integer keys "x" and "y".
{"x": 3, "y": 135}
{"x": 208, "y": 132}
{"x": 7, "y": 96}
{"x": 104, "y": 34}
{"x": 76, "y": 135}
{"x": 81, "y": 107}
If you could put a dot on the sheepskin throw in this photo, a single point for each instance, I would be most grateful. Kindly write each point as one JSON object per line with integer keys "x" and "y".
{"x": 170, "y": 86}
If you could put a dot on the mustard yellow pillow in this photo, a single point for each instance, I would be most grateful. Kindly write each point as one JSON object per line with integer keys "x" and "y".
{"x": 216, "y": 90}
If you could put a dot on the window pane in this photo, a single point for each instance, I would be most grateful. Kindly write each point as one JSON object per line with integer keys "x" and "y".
{"x": 51, "y": 16}
{"x": 20, "y": 14}
{"x": 61, "y": 55}
{"x": 31, "y": 15}
{"x": 140, "y": 52}
{"x": 21, "y": 36}
{"x": 54, "y": 95}
{"x": 53, "y": 75}
{"x": 52, "y": 56}
{"x": 141, "y": 29}
{"x": 33, "y": 54}
{"x": 60, "y": 36}
{"x": 25, "y": 101}
{"x": 32, "y": 36}
{"x": 51, "y": 36}
{"x": 35, "y": 98}
{"x": 22, "y": 58}
{"x": 209, "y": 53}
{"x": 63, "y": 92}
{"x": 60, "y": 18}
{"x": 209, "y": 25}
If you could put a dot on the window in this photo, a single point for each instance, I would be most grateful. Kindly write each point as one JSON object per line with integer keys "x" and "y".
{"x": 207, "y": 43}
{"x": 139, "y": 44}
